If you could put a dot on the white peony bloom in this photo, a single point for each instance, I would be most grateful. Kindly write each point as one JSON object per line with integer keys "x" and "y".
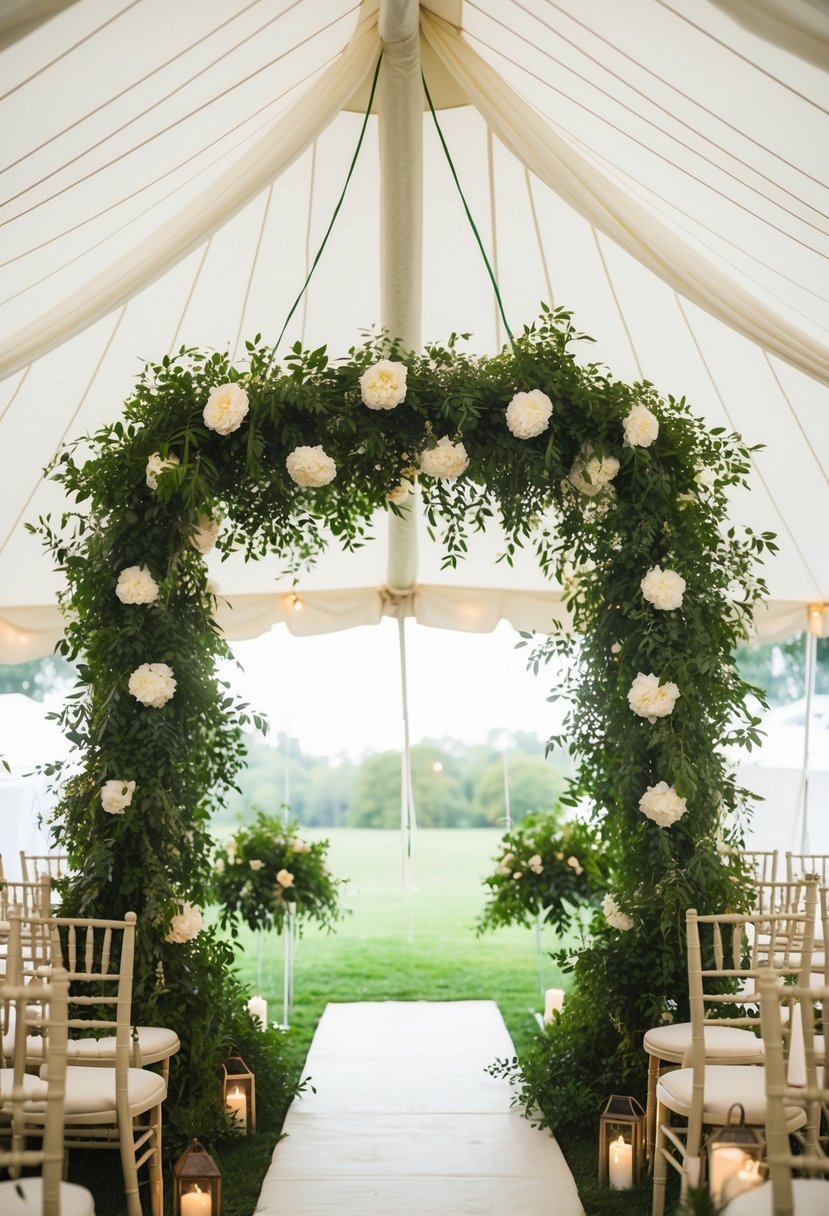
{"x": 528, "y": 414}
{"x": 575, "y": 864}
{"x": 152, "y": 684}
{"x": 136, "y": 586}
{"x": 615, "y": 917}
{"x": 663, "y": 588}
{"x": 383, "y": 385}
{"x": 535, "y": 864}
{"x": 227, "y": 406}
{"x": 446, "y": 459}
{"x": 256, "y": 864}
{"x": 310, "y": 466}
{"x": 116, "y": 796}
{"x": 662, "y": 804}
{"x": 205, "y": 531}
{"x": 156, "y": 465}
{"x": 650, "y": 699}
{"x": 641, "y": 427}
{"x": 185, "y": 925}
{"x": 592, "y": 473}
{"x": 285, "y": 878}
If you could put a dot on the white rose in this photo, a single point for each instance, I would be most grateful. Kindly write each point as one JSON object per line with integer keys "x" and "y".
{"x": 205, "y": 531}
{"x": 592, "y": 473}
{"x": 663, "y": 588}
{"x": 535, "y": 864}
{"x": 152, "y": 684}
{"x": 285, "y": 878}
{"x": 256, "y": 864}
{"x": 517, "y": 874}
{"x": 615, "y": 917}
{"x": 310, "y": 466}
{"x": 136, "y": 586}
{"x": 650, "y": 699}
{"x": 575, "y": 864}
{"x": 446, "y": 459}
{"x": 227, "y": 405}
{"x": 641, "y": 427}
{"x": 383, "y": 385}
{"x": 616, "y": 648}
{"x": 156, "y": 465}
{"x": 185, "y": 925}
{"x": 662, "y": 804}
{"x": 116, "y": 796}
{"x": 528, "y": 414}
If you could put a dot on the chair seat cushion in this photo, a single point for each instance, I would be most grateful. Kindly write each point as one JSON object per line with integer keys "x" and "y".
{"x": 155, "y": 1043}
{"x": 725, "y": 1084}
{"x": 90, "y": 1093}
{"x": 74, "y": 1200}
{"x": 34, "y": 1089}
{"x": 811, "y": 1198}
{"x": 672, "y": 1042}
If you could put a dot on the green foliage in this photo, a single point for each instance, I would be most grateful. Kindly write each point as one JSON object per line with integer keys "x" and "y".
{"x": 544, "y": 870}
{"x": 266, "y": 871}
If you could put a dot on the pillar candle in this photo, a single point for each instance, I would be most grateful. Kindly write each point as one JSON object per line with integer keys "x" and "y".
{"x": 237, "y": 1103}
{"x": 196, "y": 1203}
{"x": 724, "y": 1163}
{"x": 553, "y": 1000}
{"x": 621, "y": 1165}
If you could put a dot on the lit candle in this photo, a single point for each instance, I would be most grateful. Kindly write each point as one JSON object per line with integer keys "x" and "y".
{"x": 258, "y": 1008}
{"x": 745, "y": 1179}
{"x": 237, "y": 1103}
{"x": 621, "y": 1165}
{"x": 196, "y": 1203}
{"x": 724, "y": 1163}
{"x": 553, "y": 1001}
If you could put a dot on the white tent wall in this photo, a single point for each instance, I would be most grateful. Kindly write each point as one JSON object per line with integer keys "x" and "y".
{"x": 718, "y": 133}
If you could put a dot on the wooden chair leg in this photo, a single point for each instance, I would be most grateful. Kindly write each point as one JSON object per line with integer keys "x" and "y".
{"x": 660, "y": 1165}
{"x": 129, "y": 1169}
{"x": 650, "y": 1109}
{"x": 156, "y": 1175}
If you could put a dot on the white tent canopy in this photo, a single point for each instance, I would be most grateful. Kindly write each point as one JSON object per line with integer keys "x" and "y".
{"x": 658, "y": 166}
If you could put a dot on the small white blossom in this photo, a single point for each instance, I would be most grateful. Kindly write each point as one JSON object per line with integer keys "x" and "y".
{"x": 528, "y": 414}
{"x": 383, "y": 385}
{"x": 227, "y": 406}
{"x": 616, "y": 648}
{"x": 300, "y": 846}
{"x": 641, "y": 427}
{"x": 310, "y": 466}
{"x": 663, "y": 588}
{"x": 205, "y": 531}
{"x": 285, "y": 878}
{"x": 256, "y": 864}
{"x": 662, "y": 804}
{"x": 156, "y": 465}
{"x": 152, "y": 684}
{"x": 116, "y": 796}
{"x": 592, "y": 473}
{"x": 535, "y": 864}
{"x": 615, "y": 917}
{"x": 650, "y": 699}
{"x": 401, "y": 492}
{"x": 446, "y": 459}
{"x": 136, "y": 586}
{"x": 185, "y": 925}
{"x": 575, "y": 864}
{"x": 518, "y": 874}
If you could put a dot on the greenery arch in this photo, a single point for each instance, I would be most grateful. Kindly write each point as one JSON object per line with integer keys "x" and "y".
{"x": 634, "y": 483}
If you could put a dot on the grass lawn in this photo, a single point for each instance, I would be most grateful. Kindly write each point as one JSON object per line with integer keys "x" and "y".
{"x": 399, "y": 946}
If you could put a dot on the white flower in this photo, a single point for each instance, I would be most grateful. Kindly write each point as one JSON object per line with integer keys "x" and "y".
{"x": 616, "y": 648}
{"x": 383, "y": 385}
{"x": 641, "y": 427}
{"x": 219, "y": 865}
{"x": 663, "y": 588}
{"x": 152, "y": 684}
{"x": 667, "y": 1017}
{"x": 205, "y": 531}
{"x": 300, "y": 846}
{"x": 615, "y": 917}
{"x": 136, "y": 586}
{"x": 185, "y": 925}
{"x": 256, "y": 864}
{"x": 156, "y": 465}
{"x": 535, "y": 864}
{"x": 310, "y": 466}
{"x": 575, "y": 864}
{"x": 686, "y": 496}
{"x": 705, "y": 478}
{"x": 662, "y": 804}
{"x": 517, "y": 874}
{"x": 400, "y": 493}
{"x": 592, "y": 473}
{"x": 227, "y": 405}
{"x": 446, "y": 459}
{"x": 116, "y": 796}
{"x": 650, "y": 699}
{"x": 285, "y": 878}
{"x": 528, "y": 414}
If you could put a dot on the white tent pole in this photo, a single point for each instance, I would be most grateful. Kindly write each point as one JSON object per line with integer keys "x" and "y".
{"x": 812, "y": 632}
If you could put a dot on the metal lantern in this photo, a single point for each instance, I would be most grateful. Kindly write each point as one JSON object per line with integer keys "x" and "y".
{"x": 621, "y": 1142}
{"x": 735, "y": 1157}
{"x": 197, "y": 1183}
{"x": 239, "y": 1091}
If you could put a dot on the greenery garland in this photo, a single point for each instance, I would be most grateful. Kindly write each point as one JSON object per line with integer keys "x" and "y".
{"x": 609, "y": 483}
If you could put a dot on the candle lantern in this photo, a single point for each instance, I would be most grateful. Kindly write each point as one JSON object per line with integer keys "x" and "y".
{"x": 197, "y": 1183}
{"x": 735, "y": 1157}
{"x": 621, "y": 1142}
{"x": 239, "y": 1089}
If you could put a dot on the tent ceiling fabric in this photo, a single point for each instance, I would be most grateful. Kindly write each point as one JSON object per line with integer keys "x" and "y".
{"x": 168, "y": 172}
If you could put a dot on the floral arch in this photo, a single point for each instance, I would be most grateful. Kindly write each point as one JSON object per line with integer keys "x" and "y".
{"x": 264, "y": 459}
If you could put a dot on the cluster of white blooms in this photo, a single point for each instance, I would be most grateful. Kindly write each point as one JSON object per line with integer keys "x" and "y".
{"x": 383, "y": 385}
{"x": 446, "y": 459}
{"x": 156, "y": 465}
{"x": 662, "y": 804}
{"x": 310, "y": 466}
{"x": 205, "y": 532}
{"x": 663, "y": 588}
{"x": 641, "y": 427}
{"x": 152, "y": 684}
{"x": 650, "y": 699}
{"x": 227, "y": 406}
{"x": 592, "y": 473}
{"x": 185, "y": 925}
{"x": 528, "y": 414}
{"x": 116, "y": 796}
{"x": 613, "y": 914}
{"x": 136, "y": 586}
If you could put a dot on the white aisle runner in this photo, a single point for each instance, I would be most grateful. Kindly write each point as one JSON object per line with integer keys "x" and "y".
{"x": 405, "y": 1120}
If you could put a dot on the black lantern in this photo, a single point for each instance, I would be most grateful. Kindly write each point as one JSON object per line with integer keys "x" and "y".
{"x": 735, "y": 1157}
{"x": 239, "y": 1091}
{"x": 621, "y": 1142}
{"x": 197, "y": 1183}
